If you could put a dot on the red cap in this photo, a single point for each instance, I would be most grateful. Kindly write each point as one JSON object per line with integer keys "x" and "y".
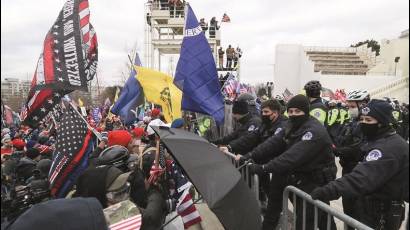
{"x": 119, "y": 137}
{"x": 19, "y": 144}
{"x": 138, "y": 132}
{"x": 155, "y": 112}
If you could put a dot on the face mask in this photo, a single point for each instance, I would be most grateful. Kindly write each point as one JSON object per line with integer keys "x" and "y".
{"x": 354, "y": 112}
{"x": 369, "y": 130}
{"x": 297, "y": 121}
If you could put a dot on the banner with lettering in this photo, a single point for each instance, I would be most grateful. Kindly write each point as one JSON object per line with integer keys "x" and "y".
{"x": 70, "y": 52}
{"x": 68, "y": 61}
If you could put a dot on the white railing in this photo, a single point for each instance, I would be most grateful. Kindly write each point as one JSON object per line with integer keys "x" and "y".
{"x": 174, "y": 10}
{"x": 330, "y": 49}
{"x": 395, "y": 84}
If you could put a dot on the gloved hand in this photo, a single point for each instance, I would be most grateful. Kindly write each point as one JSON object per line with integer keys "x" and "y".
{"x": 244, "y": 158}
{"x": 323, "y": 194}
{"x": 256, "y": 169}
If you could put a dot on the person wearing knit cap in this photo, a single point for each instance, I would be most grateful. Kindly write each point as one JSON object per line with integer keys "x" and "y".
{"x": 376, "y": 118}
{"x": 247, "y": 123}
{"x": 119, "y": 137}
{"x": 303, "y": 148}
{"x": 19, "y": 144}
{"x": 381, "y": 181}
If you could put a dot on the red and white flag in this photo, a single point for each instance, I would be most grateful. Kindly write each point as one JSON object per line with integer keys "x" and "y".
{"x": 226, "y": 18}
{"x": 133, "y": 223}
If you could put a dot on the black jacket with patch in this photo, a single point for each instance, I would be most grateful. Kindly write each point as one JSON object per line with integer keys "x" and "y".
{"x": 383, "y": 174}
{"x": 303, "y": 151}
{"x": 248, "y": 123}
{"x": 248, "y": 142}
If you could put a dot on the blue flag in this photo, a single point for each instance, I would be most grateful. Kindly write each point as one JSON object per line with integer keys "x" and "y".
{"x": 196, "y": 74}
{"x": 131, "y": 96}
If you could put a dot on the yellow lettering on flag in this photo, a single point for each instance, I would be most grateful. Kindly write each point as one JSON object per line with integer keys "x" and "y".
{"x": 160, "y": 89}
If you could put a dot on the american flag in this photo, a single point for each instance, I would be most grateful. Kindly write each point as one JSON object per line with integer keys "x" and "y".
{"x": 243, "y": 89}
{"x": 226, "y": 18}
{"x": 133, "y": 223}
{"x": 185, "y": 206}
{"x": 73, "y": 146}
{"x": 287, "y": 95}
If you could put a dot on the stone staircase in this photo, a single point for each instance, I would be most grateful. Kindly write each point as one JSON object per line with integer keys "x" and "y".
{"x": 337, "y": 62}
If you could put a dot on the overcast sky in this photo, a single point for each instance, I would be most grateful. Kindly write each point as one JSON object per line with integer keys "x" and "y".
{"x": 257, "y": 27}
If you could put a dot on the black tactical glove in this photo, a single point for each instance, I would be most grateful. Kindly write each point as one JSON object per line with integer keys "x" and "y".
{"x": 324, "y": 194}
{"x": 256, "y": 169}
{"x": 244, "y": 158}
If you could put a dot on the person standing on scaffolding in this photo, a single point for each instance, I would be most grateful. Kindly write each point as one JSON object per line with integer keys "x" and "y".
{"x": 238, "y": 54}
{"x": 163, "y": 4}
{"x": 213, "y": 27}
{"x": 221, "y": 54}
{"x": 230, "y": 54}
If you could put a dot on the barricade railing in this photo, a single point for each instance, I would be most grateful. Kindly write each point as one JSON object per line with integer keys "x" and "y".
{"x": 251, "y": 180}
{"x": 331, "y": 212}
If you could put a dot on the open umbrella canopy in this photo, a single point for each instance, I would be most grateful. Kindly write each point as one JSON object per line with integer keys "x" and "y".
{"x": 215, "y": 177}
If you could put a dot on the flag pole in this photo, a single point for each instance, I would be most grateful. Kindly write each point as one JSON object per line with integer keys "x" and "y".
{"x": 96, "y": 133}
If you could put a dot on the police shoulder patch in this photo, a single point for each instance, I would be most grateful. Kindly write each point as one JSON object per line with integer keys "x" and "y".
{"x": 374, "y": 155}
{"x": 307, "y": 137}
{"x": 251, "y": 128}
{"x": 278, "y": 131}
{"x": 317, "y": 113}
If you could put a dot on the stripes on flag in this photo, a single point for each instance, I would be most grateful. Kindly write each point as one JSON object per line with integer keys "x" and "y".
{"x": 287, "y": 95}
{"x": 185, "y": 206}
{"x": 133, "y": 223}
{"x": 74, "y": 144}
{"x": 187, "y": 210}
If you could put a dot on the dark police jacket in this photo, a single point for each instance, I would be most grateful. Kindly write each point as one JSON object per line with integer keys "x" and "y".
{"x": 246, "y": 143}
{"x": 304, "y": 151}
{"x": 248, "y": 123}
{"x": 383, "y": 174}
{"x": 348, "y": 145}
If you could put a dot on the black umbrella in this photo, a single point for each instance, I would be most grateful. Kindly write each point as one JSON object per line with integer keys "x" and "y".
{"x": 215, "y": 177}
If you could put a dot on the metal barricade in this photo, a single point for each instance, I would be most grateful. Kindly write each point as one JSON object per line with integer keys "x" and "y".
{"x": 331, "y": 212}
{"x": 251, "y": 180}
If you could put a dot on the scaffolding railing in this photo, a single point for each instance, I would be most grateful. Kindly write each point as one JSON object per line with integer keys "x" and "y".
{"x": 175, "y": 10}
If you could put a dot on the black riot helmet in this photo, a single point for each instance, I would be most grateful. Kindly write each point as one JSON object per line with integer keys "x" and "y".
{"x": 313, "y": 89}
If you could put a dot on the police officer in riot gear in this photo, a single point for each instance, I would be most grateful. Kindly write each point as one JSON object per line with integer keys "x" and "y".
{"x": 246, "y": 123}
{"x": 381, "y": 180}
{"x": 349, "y": 141}
{"x": 273, "y": 123}
{"x": 302, "y": 155}
{"x": 318, "y": 109}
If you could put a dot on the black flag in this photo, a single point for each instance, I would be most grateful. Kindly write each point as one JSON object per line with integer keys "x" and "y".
{"x": 70, "y": 53}
{"x": 68, "y": 61}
